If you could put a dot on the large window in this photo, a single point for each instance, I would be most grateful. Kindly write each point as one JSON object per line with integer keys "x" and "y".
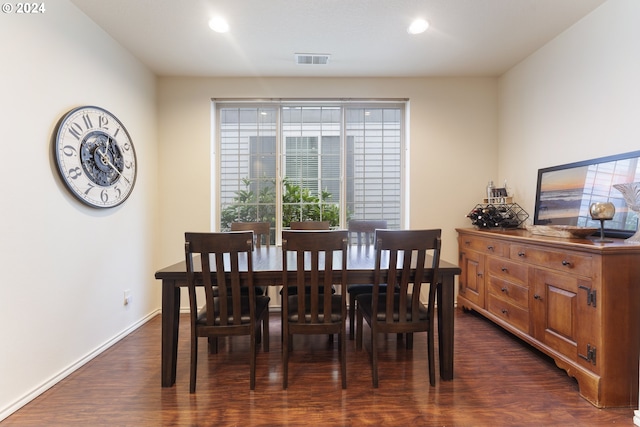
{"x": 286, "y": 161}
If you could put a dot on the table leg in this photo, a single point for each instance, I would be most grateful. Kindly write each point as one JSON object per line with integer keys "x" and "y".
{"x": 170, "y": 324}
{"x": 446, "y": 309}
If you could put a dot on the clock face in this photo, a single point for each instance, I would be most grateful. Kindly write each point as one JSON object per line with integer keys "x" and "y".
{"x": 95, "y": 157}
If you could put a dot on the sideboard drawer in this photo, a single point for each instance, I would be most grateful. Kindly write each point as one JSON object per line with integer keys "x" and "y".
{"x": 568, "y": 262}
{"x": 509, "y": 292}
{"x": 511, "y": 313}
{"x": 485, "y": 246}
{"x": 508, "y": 270}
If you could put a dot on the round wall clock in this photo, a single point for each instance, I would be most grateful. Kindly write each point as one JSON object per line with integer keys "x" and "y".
{"x": 95, "y": 157}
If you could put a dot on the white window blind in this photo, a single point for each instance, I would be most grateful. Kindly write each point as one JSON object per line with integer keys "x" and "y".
{"x": 344, "y": 159}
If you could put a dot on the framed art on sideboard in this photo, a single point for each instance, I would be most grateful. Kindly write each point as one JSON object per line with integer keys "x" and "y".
{"x": 565, "y": 192}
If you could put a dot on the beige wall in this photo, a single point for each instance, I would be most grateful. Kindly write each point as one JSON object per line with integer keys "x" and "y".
{"x": 65, "y": 266}
{"x": 453, "y": 144}
{"x": 575, "y": 99}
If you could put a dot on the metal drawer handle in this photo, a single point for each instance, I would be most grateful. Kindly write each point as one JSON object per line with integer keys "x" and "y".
{"x": 490, "y": 248}
{"x": 504, "y": 290}
{"x": 504, "y": 269}
{"x": 538, "y": 297}
{"x": 505, "y": 311}
{"x": 566, "y": 263}
{"x": 521, "y": 254}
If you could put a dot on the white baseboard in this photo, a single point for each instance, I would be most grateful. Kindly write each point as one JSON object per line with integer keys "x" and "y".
{"x": 13, "y": 407}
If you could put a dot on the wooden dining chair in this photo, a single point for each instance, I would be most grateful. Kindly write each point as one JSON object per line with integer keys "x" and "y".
{"x": 314, "y": 309}
{"x": 229, "y": 311}
{"x": 261, "y": 231}
{"x": 361, "y": 236}
{"x": 309, "y": 225}
{"x": 362, "y": 232}
{"x": 401, "y": 311}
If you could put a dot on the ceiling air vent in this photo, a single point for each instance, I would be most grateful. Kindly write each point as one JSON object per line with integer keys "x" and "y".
{"x": 312, "y": 58}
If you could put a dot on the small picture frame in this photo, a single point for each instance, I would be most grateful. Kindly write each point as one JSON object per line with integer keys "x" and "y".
{"x": 500, "y": 192}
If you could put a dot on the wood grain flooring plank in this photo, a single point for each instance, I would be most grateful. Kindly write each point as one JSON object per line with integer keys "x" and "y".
{"x": 498, "y": 381}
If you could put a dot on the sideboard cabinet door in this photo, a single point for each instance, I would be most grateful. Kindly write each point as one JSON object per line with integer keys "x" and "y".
{"x": 471, "y": 280}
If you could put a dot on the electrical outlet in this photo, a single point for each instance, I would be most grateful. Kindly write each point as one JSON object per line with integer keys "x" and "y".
{"x": 127, "y": 297}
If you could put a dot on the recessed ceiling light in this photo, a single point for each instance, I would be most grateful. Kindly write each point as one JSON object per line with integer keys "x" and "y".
{"x": 418, "y": 26}
{"x": 219, "y": 24}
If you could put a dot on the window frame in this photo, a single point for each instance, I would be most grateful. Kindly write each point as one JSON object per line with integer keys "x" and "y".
{"x": 277, "y": 105}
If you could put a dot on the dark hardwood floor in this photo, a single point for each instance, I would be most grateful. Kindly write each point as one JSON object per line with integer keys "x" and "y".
{"x": 499, "y": 381}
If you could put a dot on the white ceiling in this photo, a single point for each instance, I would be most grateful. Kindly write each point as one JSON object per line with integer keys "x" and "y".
{"x": 363, "y": 37}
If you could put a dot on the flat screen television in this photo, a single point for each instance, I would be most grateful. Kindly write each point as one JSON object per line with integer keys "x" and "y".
{"x": 565, "y": 192}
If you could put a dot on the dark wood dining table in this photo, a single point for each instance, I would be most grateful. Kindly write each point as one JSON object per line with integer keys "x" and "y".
{"x": 267, "y": 271}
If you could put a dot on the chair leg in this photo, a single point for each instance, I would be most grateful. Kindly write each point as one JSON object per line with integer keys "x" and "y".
{"x": 194, "y": 364}
{"x": 285, "y": 360}
{"x": 409, "y": 340}
{"x": 359, "y": 331}
{"x": 258, "y": 335}
{"x": 265, "y": 332}
{"x": 281, "y": 325}
{"x": 252, "y": 362}
{"x": 374, "y": 356}
{"x": 213, "y": 345}
{"x": 432, "y": 361}
{"x": 343, "y": 358}
{"x": 352, "y": 314}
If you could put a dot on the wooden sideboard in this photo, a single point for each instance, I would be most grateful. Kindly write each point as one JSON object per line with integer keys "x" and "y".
{"x": 576, "y": 300}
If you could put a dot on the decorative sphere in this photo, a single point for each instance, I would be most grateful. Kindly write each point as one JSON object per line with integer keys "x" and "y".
{"x": 602, "y": 210}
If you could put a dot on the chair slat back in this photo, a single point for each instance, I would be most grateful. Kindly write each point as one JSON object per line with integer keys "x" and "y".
{"x": 364, "y": 231}
{"x": 309, "y": 225}
{"x": 397, "y": 252}
{"x": 261, "y": 231}
{"x": 315, "y": 254}
{"x": 221, "y": 256}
